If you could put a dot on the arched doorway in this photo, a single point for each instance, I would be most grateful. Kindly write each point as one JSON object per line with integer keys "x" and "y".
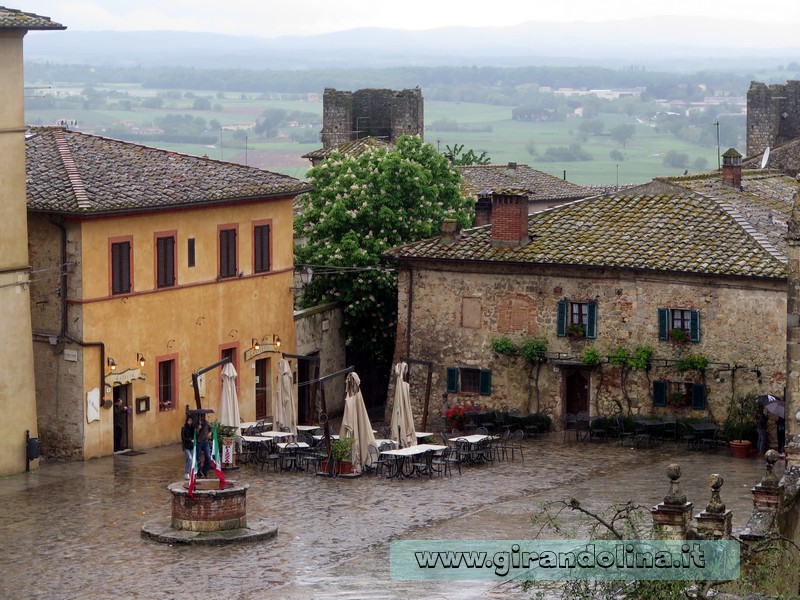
{"x": 576, "y": 393}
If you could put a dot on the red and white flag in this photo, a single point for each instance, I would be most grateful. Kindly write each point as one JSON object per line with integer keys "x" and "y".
{"x": 215, "y": 457}
{"x": 193, "y": 470}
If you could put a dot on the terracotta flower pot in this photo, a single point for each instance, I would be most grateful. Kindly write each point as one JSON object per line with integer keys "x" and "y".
{"x": 344, "y": 467}
{"x": 740, "y": 448}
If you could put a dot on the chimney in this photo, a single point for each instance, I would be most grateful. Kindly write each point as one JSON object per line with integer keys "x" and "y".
{"x": 732, "y": 168}
{"x": 450, "y": 232}
{"x": 509, "y": 218}
{"x": 483, "y": 210}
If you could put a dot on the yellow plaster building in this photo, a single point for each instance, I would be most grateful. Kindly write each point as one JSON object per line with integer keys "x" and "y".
{"x": 17, "y": 394}
{"x": 150, "y": 265}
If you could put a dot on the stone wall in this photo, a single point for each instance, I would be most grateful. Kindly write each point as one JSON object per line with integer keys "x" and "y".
{"x": 773, "y": 115}
{"x": 319, "y": 332}
{"x": 742, "y": 323}
{"x": 382, "y": 113}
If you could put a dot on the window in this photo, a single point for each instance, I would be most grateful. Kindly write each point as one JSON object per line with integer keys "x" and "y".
{"x": 576, "y": 319}
{"x": 165, "y": 261}
{"x": 469, "y": 381}
{"x": 227, "y": 253}
{"x": 190, "y": 252}
{"x": 679, "y": 394}
{"x": 121, "y": 267}
{"x": 167, "y": 393}
{"x": 261, "y": 254}
{"x": 684, "y": 322}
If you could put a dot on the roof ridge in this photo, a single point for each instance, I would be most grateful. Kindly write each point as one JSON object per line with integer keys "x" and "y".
{"x": 71, "y": 167}
{"x": 758, "y": 237}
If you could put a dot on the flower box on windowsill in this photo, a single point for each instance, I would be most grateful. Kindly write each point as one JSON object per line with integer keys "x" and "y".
{"x": 679, "y": 336}
{"x": 576, "y": 332}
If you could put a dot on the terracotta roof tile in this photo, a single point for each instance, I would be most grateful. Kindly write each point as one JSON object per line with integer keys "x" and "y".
{"x": 679, "y": 232}
{"x": 353, "y": 148}
{"x": 72, "y": 172}
{"x": 484, "y": 179}
{"x": 16, "y": 19}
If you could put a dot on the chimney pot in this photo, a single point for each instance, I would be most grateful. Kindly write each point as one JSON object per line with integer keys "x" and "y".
{"x": 732, "y": 168}
{"x": 449, "y": 231}
{"x": 509, "y": 218}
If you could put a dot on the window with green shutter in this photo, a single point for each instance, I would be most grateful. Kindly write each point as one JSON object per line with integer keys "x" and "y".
{"x": 679, "y": 324}
{"x": 561, "y": 319}
{"x": 660, "y": 389}
{"x": 485, "y": 382}
{"x": 452, "y": 380}
{"x": 698, "y": 396}
{"x": 591, "y": 321}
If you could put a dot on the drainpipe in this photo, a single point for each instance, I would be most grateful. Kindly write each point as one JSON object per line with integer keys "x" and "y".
{"x": 63, "y": 334}
{"x": 410, "y": 306}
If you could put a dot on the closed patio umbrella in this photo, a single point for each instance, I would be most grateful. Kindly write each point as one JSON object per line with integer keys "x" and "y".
{"x": 402, "y": 425}
{"x": 229, "y": 401}
{"x": 284, "y": 408}
{"x": 356, "y": 423}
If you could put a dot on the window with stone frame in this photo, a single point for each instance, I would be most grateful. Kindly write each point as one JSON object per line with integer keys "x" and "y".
{"x": 679, "y": 324}
{"x": 165, "y": 261}
{"x": 167, "y": 392}
{"x": 576, "y": 319}
{"x": 228, "y": 266}
{"x": 469, "y": 380}
{"x": 121, "y": 266}
{"x": 261, "y": 248}
{"x": 679, "y": 394}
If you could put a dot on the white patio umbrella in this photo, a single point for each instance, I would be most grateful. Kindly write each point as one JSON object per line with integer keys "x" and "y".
{"x": 284, "y": 408}
{"x": 402, "y": 424}
{"x": 229, "y": 400}
{"x": 356, "y": 423}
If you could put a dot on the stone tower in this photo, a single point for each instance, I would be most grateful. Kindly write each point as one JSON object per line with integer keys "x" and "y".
{"x": 380, "y": 113}
{"x": 773, "y": 115}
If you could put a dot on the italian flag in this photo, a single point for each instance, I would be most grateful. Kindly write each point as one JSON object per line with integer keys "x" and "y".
{"x": 193, "y": 471}
{"x": 215, "y": 462}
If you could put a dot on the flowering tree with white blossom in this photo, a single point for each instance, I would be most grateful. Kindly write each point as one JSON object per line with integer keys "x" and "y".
{"x": 361, "y": 207}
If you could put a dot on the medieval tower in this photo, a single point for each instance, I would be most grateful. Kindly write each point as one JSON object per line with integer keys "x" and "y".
{"x": 380, "y": 113}
{"x": 773, "y": 115}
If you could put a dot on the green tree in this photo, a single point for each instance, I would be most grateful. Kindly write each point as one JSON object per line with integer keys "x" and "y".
{"x": 361, "y": 207}
{"x": 457, "y": 156}
{"x": 623, "y": 133}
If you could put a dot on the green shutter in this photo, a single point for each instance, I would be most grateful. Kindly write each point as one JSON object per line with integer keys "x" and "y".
{"x": 561, "y": 322}
{"x": 591, "y": 321}
{"x": 452, "y": 380}
{"x": 663, "y": 323}
{"x": 486, "y": 383}
{"x": 659, "y": 393}
{"x": 694, "y": 326}
{"x": 698, "y": 396}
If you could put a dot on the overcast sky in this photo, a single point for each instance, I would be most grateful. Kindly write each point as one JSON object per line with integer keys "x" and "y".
{"x": 271, "y": 18}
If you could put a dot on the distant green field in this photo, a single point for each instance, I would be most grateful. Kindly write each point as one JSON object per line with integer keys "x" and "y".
{"x": 504, "y": 141}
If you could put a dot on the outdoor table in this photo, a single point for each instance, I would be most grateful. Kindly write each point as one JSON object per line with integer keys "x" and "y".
{"x": 473, "y": 453}
{"x": 700, "y": 429}
{"x": 276, "y": 434}
{"x": 292, "y": 457}
{"x": 248, "y": 424}
{"x": 333, "y": 436}
{"x": 307, "y": 427}
{"x": 421, "y": 435}
{"x": 401, "y": 455}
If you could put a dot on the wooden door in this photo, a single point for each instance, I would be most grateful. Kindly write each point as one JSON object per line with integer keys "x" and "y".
{"x": 577, "y": 393}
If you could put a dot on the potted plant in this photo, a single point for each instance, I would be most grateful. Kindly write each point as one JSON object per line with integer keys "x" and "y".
{"x": 740, "y": 424}
{"x": 227, "y": 439}
{"x": 342, "y": 455}
{"x": 679, "y": 336}
{"x": 576, "y": 331}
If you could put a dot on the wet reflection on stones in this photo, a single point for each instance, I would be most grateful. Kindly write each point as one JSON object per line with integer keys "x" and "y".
{"x": 72, "y": 530}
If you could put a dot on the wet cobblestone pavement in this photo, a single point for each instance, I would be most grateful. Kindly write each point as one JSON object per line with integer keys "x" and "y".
{"x": 72, "y": 530}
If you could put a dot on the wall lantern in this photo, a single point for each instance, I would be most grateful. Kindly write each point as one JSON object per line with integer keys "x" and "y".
{"x": 255, "y": 344}
{"x": 140, "y": 359}
{"x": 112, "y": 364}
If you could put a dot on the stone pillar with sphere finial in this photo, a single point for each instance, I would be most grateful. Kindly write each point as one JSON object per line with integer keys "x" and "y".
{"x": 792, "y": 398}
{"x": 767, "y": 500}
{"x": 671, "y": 518}
{"x": 715, "y": 522}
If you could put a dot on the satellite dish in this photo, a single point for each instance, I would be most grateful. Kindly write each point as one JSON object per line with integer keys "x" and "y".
{"x": 765, "y": 158}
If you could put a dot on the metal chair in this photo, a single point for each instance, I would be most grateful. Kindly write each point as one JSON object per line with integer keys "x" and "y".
{"x": 641, "y": 436}
{"x": 481, "y": 431}
{"x": 597, "y": 429}
{"x": 570, "y": 424}
{"x": 669, "y": 430}
{"x": 442, "y": 463}
{"x": 582, "y": 426}
{"x": 265, "y": 453}
{"x": 515, "y": 444}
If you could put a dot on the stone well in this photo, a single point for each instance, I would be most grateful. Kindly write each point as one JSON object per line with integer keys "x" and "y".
{"x": 213, "y": 516}
{"x": 211, "y": 509}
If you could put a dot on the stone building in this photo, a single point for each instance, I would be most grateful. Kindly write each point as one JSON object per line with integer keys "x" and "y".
{"x": 381, "y": 113}
{"x": 543, "y": 190}
{"x": 689, "y": 256}
{"x": 773, "y": 122}
{"x": 17, "y": 390}
{"x": 151, "y": 265}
